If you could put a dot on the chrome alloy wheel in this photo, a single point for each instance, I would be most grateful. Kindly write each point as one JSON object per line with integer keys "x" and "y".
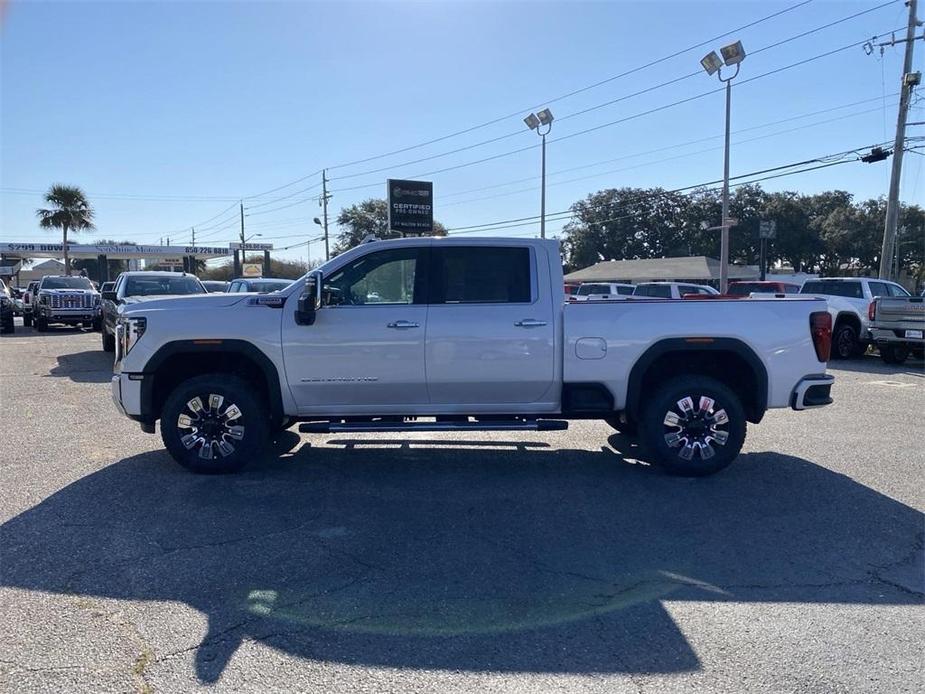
{"x": 212, "y": 428}
{"x": 693, "y": 430}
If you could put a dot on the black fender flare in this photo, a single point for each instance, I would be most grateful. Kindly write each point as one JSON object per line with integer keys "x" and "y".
{"x": 207, "y": 346}
{"x": 634, "y": 393}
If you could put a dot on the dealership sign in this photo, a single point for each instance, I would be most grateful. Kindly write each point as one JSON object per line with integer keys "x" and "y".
{"x": 78, "y": 250}
{"x": 236, "y": 246}
{"x": 411, "y": 206}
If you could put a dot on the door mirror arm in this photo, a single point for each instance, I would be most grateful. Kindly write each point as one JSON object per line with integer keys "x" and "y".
{"x": 310, "y": 300}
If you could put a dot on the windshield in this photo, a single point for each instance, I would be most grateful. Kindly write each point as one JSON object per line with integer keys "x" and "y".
{"x": 267, "y": 286}
{"x": 852, "y": 290}
{"x": 66, "y": 283}
{"x": 157, "y": 286}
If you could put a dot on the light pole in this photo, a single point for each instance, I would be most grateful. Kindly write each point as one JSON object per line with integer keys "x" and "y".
{"x": 537, "y": 121}
{"x": 733, "y": 54}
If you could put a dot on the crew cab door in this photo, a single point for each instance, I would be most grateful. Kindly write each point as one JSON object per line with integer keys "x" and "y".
{"x": 490, "y": 328}
{"x": 365, "y": 350}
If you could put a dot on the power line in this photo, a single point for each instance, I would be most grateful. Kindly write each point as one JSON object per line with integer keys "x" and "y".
{"x": 625, "y": 97}
{"x": 826, "y": 159}
{"x": 577, "y": 91}
{"x": 658, "y": 161}
{"x": 624, "y": 119}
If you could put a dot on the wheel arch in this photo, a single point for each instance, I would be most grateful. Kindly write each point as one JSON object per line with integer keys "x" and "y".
{"x": 729, "y": 360}
{"x": 843, "y": 317}
{"x": 177, "y": 361}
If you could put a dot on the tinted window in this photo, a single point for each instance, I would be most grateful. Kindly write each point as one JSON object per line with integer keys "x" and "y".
{"x": 267, "y": 286}
{"x": 852, "y": 290}
{"x": 384, "y": 277}
{"x": 585, "y": 289}
{"x": 896, "y": 290}
{"x": 687, "y": 289}
{"x": 745, "y": 288}
{"x": 660, "y": 291}
{"x": 878, "y": 289}
{"x": 66, "y": 283}
{"x": 157, "y": 286}
{"x": 625, "y": 291}
{"x": 487, "y": 274}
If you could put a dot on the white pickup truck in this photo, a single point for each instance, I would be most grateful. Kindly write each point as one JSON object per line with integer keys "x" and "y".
{"x": 462, "y": 334}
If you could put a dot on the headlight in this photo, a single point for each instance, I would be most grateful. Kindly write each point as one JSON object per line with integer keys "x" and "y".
{"x": 128, "y": 331}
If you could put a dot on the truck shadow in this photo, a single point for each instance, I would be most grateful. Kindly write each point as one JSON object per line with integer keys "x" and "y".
{"x": 492, "y": 557}
{"x": 92, "y": 366}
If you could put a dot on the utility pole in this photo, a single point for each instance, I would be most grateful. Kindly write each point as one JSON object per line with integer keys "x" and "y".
{"x": 324, "y": 216}
{"x": 242, "y": 226}
{"x": 193, "y": 241}
{"x": 909, "y": 80}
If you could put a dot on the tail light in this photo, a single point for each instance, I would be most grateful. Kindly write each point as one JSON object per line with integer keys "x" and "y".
{"x": 820, "y": 327}
{"x": 872, "y": 311}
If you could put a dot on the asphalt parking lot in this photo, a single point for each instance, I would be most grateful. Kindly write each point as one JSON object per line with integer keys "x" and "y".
{"x": 497, "y": 562}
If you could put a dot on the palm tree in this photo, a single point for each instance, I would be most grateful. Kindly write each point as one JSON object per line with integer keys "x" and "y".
{"x": 68, "y": 211}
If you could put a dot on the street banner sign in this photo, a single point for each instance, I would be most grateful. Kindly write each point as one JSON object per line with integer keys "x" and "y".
{"x": 236, "y": 246}
{"x": 411, "y": 206}
{"x": 767, "y": 229}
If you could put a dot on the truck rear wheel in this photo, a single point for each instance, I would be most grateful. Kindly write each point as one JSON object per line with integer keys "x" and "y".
{"x": 27, "y": 319}
{"x": 41, "y": 324}
{"x": 214, "y": 424}
{"x": 894, "y": 354}
{"x": 845, "y": 343}
{"x": 693, "y": 426}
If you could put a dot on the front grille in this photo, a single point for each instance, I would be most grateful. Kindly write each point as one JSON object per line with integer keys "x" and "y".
{"x": 72, "y": 301}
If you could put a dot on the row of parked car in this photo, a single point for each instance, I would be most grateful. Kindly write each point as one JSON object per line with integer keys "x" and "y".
{"x": 865, "y": 311}
{"x": 76, "y": 301}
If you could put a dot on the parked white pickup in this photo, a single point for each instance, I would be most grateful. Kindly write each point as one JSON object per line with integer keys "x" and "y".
{"x": 463, "y": 334}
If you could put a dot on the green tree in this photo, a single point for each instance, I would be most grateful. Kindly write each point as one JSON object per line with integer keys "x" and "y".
{"x": 368, "y": 218}
{"x": 68, "y": 211}
{"x": 627, "y": 223}
{"x": 795, "y": 241}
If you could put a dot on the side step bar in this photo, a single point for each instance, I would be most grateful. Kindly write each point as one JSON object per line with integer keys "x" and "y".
{"x": 357, "y": 427}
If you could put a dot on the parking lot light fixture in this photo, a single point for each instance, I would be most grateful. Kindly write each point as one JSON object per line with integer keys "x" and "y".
{"x": 732, "y": 56}
{"x": 536, "y": 122}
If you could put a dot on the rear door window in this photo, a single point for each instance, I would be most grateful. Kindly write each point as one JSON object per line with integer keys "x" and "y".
{"x": 896, "y": 290}
{"x": 481, "y": 275}
{"x": 879, "y": 289}
{"x": 849, "y": 289}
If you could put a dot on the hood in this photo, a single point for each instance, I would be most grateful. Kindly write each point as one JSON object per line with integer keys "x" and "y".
{"x": 129, "y": 300}
{"x": 192, "y": 302}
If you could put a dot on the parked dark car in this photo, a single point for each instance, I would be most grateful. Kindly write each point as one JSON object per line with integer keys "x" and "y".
{"x": 744, "y": 288}
{"x": 6, "y": 309}
{"x": 134, "y": 287}
{"x": 215, "y": 286}
{"x": 261, "y": 285}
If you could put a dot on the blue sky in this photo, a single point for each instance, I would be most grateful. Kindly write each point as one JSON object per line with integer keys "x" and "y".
{"x": 167, "y": 113}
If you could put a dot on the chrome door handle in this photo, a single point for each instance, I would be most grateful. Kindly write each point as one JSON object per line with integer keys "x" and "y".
{"x": 401, "y": 324}
{"x": 530, "y": 323}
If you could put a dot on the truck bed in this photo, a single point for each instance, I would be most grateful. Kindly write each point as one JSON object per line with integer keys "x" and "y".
{"x": 609, "y": 338}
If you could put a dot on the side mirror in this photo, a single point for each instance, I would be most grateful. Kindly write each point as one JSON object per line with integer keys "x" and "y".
{"x": 109, "y": 296}
{"x": 310, "y": 300}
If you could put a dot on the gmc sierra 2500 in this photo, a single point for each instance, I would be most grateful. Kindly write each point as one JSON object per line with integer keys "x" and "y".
{"x": 462, "y": 334}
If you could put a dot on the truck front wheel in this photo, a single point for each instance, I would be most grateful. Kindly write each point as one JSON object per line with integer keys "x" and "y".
{"x": 214, "y": 424}
{"x": 693, "y": 426}
{"x": 27, "y": 319}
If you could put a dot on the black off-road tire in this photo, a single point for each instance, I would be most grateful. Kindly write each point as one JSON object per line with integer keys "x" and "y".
{"x": 109, "y": 341}
{"x": 894, "y": 354}
{"x": 97, "y": 325}
{"x": 8, "y": 325}
{"x": 27, "y": 319}
{"x": 214, "y": 422}
{"x": 41, "y": 324}
{"x": 845, "y": 343}
{"x": 703, "y": 423}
